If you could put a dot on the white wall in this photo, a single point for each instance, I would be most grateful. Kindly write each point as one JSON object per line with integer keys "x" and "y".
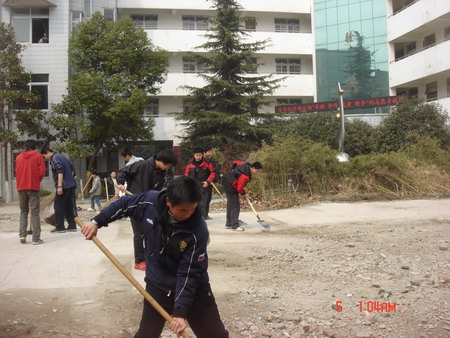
{"x": 415, "y": 16}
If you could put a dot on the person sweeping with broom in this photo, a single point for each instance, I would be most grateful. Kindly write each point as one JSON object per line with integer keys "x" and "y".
{"x": 177, "y": 260}
{"x": 234, "y": 186}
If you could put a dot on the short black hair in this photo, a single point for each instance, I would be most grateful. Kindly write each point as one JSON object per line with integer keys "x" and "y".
{"x": 167, "y": 156}
{"x": 126, "y": 152}
{"x": 207, "y": 148}
{"x": 197, "y": 150}
{"x": 184, "y": 189}
{"x": 30, "y": 144}
{"x": 46, "y": 149}
{"x": 113, "y": 171}
{"x": 93, "y": 172}
{"x": 256, "y": 165}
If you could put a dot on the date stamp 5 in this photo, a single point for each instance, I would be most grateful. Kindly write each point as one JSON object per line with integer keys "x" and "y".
{"x": 369, "y": 306}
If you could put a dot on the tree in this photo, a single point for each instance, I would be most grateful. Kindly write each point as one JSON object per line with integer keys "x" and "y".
{"x": 224, "y": 113}
{"x": 359, "y": 66}
{"x": 17, "y": 116}
{"x": 114, "y": 67}
{"x": 412, "y": 117}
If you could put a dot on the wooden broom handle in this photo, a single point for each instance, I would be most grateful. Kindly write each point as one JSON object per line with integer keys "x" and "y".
{"x": 132, "y": 280}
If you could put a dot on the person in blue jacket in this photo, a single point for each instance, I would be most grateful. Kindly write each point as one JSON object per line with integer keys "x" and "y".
{"x": 177, "y": 260}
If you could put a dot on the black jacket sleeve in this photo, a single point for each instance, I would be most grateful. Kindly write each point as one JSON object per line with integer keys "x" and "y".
{"x": 130, "y": 205}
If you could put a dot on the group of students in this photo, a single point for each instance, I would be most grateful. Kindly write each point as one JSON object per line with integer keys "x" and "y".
{"x": 172, "y": 223}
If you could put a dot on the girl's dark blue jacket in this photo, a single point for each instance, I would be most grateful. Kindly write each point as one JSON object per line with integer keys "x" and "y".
{"x": 177, "y": 261}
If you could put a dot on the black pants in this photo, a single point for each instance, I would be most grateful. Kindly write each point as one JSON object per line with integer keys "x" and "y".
{"x": 138, "y": 240}
{"x": 233, "y": 210}
{"x": 203, "y": 316}
{"x": 65, "y": 207}
{"x": 208, "y": 199}
{"x": 203, "y": 203}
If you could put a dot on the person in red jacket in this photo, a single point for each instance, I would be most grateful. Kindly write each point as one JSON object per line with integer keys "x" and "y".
{"x": 30, "y": 170}
{"x": 203, "y": 172}
{"x": 234, "y": 186}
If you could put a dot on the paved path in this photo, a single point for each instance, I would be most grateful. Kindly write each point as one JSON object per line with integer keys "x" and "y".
{"x": 67, "y": 260}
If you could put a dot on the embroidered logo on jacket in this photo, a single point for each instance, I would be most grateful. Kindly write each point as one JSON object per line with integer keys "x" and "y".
{"x": 182, "y": 245}
{"x": 201, "y": 257}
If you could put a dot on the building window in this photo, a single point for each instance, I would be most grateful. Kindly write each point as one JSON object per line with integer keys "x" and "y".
{"x": 152, "y": 108}
{"x": 281, "y": 102}
{"x": 30, "y": 24}
{"x": 39, "y": 86}
{"x": 87, "y": 8}
{"x": 287, "y": 25}
{"x": 76, "y": 18}
{"x": 109, "y": 14}
{"x": 145, "y": 21}
{"x": 429, "y": 41}
{"x": 250, "y": 24}
{"x": 413, "y": 92}
{"x": 431, "y": 91}
{"x": 187, "y": 105}
{"x": 195, "y": 22}
{"x": 447, "y": 33}
{"x": 190, "y": 66}
{"x": 410, "y": 47}
{"x": 288, "y": 66}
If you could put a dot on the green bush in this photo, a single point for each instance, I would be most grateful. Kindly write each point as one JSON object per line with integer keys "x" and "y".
{"x": 412, "y": 117}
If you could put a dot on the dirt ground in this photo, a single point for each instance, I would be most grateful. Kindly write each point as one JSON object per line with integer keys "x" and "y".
{"x": 374, "y": 269}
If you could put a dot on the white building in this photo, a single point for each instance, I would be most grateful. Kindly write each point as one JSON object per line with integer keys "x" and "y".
{"x": 419, "y": 49}
{"x": 177, "y": 26}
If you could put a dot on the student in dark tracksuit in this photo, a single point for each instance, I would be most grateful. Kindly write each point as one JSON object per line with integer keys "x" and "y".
{"x": 203, "y": 172}
{"x": 234, "y": 186}
{"x": 65, "y": 199}
{"x": 207, "y": 156}
{"x": 143, "y": 176}
{"x": 177, "y": 260}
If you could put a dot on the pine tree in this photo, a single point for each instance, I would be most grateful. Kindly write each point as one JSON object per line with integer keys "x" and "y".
{"x": 225, "y": 112}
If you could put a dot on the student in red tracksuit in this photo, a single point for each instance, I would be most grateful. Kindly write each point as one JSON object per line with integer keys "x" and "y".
{"x": 234, "y": 186}
{"x": 203, "y": 172}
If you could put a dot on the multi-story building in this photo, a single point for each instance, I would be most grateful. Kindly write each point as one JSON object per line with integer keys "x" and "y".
{"x": 419, "y": 49}
{"x": 179, "y": 26}
{"x": 351, "y": 48}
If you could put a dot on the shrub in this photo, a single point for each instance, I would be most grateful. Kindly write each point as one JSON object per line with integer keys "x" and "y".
{"x": 413, "y": 117}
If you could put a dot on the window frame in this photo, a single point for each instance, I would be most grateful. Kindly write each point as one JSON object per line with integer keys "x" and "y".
{"x": 431, "y": 92}
{"x": 250, "y": 23}
{"x": 195, "y": 22}
{"x": 429, "y": 40}
{"x": 114, "y": 14}
{"x": 148, "y": 21}
{"x": 31, "y": 15}
{"x": 287, "y": 25}
{"x": 288, "y": 66}
{"x": 152, "y": 108}
{"x": 87, "y": 10}
{"x": 40, "y": 84}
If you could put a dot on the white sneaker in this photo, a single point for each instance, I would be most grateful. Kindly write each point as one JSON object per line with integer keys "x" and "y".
{"x": 90, "y": 209}
{"x": 239, "y": 228}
